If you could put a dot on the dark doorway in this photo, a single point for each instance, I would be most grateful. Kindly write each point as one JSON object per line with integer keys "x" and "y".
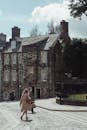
{"x": 38, "y": 93}
{"x": 33, "y": 91}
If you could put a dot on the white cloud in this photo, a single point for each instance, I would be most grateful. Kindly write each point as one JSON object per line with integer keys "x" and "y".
{"x": 53, "y": 11}
{"x": 58, "y": 12}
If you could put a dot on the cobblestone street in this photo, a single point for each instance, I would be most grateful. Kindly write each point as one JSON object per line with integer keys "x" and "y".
{"x": 42, "y": 119}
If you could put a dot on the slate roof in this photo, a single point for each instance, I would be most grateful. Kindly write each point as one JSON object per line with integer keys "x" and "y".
{"x": 33, "y": 40}
{"x": 51, "y": 39}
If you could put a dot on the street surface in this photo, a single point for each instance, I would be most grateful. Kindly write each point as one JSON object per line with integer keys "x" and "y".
{"x": 42, "y": 119}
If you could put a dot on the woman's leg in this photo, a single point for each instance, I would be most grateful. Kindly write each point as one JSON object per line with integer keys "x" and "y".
{"x": 32, "y": 110}
{"x": 22, "y": 114}
{"x": 26, "y": 115}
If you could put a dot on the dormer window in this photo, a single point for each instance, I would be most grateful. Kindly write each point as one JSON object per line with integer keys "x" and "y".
{"x": 13, "y": 44}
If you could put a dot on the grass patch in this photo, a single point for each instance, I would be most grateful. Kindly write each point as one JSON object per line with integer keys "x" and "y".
{"x": 79, "y": 97}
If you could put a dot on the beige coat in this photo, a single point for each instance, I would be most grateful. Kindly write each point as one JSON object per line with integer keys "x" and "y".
{"x": 25, "y": 102}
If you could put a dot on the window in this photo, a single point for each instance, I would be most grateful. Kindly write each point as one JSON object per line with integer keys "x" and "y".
{"x": 44, "y": 74}
{"x": 6, "y": 75}
{"x": 43, "y": 56}
{"x": 6, "y": 59}
{"x": 5, "y": 95}
{"x": 14, "y": 75}
{"x": 13, "y": 58}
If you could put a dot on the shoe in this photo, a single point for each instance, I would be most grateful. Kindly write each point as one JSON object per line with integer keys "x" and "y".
{"x": 26, "y": 118}
{"x": 21, "y": 117}
{"x": 33, "y": 112}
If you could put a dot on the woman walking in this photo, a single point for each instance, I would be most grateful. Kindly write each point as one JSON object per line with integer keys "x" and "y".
{"x": 25, "y": 103}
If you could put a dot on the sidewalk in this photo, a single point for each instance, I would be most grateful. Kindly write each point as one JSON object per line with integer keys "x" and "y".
{"x": 50, "y": 104}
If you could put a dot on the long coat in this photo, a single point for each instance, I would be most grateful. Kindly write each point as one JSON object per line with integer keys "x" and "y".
{"x": 25, "y": 103}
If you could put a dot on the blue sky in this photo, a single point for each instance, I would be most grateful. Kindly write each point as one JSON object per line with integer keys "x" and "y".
{"x": 27, "y": 13}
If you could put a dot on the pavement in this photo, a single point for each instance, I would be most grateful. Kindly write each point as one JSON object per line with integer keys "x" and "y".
{"x": 51, "y": 105}
{"x": 43, "y": 119}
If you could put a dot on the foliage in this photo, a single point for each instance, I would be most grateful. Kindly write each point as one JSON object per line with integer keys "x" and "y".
{"x": 57, "y": 29}
{"x": 52, "y": 29}
{"x": 78, "y": 8}
{"x": 73, "y": 58}
{"x": 78, "y": 97}
{"x": 34, "y": 31}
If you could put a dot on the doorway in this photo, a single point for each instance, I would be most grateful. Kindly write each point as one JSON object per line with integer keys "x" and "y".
{"x": 33, "y": 91}
{"x": 38, "y": 93}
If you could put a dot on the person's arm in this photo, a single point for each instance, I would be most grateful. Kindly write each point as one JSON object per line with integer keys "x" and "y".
{"x": 21, "y": 101}
{"x": 29, "y": 99}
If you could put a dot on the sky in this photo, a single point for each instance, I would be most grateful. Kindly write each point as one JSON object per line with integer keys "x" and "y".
{"x": 27, "y": 13}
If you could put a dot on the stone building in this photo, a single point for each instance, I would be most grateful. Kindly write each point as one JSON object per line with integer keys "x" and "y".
{"x": 32, "y": 62}
{"x": 2, "y": 41}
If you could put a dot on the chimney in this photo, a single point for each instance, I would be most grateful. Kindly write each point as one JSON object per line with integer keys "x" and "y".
{"x": 64, "y": 29}
{"x": 2, "y": 37}
{"x": 15, "y": 32}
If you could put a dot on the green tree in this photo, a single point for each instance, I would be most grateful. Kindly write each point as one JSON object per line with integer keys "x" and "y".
{"x": 34, "y": 31}
{"x": 57, "y": 29}
{"x": 50, "y": 27}
{"x": 53, "y": 29}
{"x": 78, "y": 8}
{"x": 73, "y": 58}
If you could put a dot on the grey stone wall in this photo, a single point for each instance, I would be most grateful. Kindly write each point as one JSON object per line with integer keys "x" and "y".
{"x": 29, "y": 69}
{"x": 9, "y": 75}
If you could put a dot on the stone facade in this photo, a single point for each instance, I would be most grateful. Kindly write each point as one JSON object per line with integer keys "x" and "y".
{"x": 38, "y": 73}
{"x": 34, "y": 62}
{"x": 10, "y": 74}
{"x": 28, "y": 69}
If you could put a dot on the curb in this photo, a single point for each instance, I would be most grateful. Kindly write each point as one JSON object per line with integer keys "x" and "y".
{"x": 62, "y": 110}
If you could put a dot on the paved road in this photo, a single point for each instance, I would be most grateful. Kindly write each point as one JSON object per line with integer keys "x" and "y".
{"x": 41, "y": 120}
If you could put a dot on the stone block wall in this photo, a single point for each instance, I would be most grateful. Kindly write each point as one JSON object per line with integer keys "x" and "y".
{"x": 26, "y": 69}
